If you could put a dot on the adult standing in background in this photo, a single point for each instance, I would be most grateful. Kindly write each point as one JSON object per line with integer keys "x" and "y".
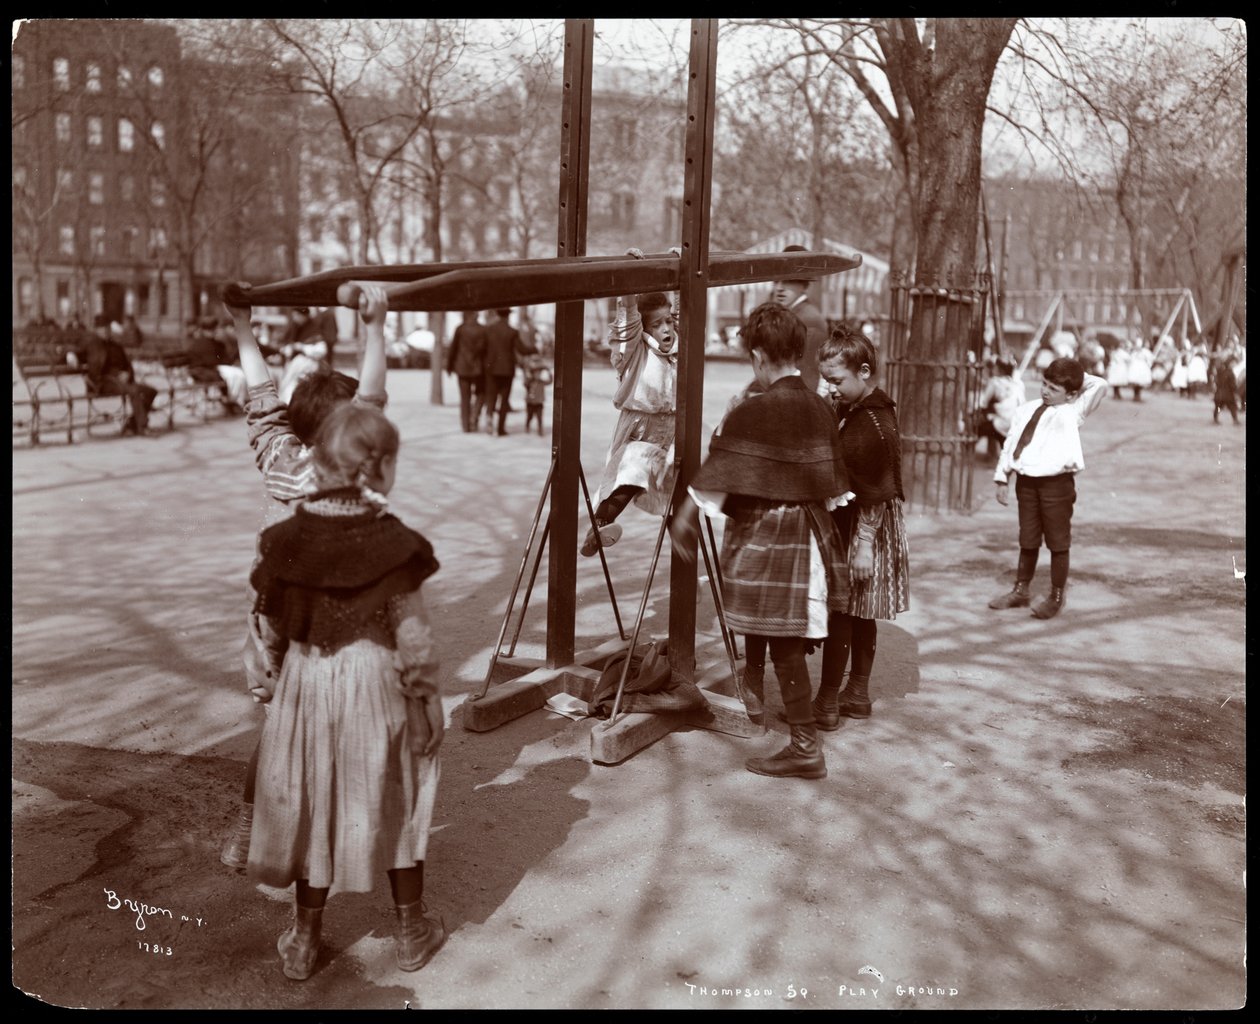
{"x": 503, "y": 345}
{"x": 793, "y": 295}
{"x": 466, "y": 358}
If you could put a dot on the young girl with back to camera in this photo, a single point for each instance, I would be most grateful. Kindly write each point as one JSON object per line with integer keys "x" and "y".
{"x": 347, "y": 769}
{"x": 872, "y": 524}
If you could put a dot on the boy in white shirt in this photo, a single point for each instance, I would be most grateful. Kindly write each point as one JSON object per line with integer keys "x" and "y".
{"x": 1043, "y": 448}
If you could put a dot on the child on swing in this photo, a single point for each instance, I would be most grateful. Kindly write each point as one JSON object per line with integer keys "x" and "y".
{"x": 281, "y": 437}
{"x": 643, "y": 339}
{"x": 347, "y": 767}
{"x": 773, "y": 470}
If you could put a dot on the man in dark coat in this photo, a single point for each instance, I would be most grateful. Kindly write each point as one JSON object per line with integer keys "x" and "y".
{"x": 503, "y": 345}
{"x": 109, "y": 372}
{"x": 793, "y": 294}
{"x": 466, "y": 358}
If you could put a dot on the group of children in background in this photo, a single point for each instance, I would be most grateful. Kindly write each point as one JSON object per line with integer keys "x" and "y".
{"x": 340, "y": 650}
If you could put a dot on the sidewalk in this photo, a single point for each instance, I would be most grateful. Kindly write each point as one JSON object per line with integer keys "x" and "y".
{"x": 1039, "y": 814}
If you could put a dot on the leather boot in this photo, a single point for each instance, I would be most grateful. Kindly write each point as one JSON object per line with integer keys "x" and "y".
{"x": 827, "y": 708}
{"x": 855, "y": 701}
{"x": 754, "y": 683}
{"x": 1016, "y": 598}
{"x": 802, "y": 758}
{"x": 299, "y": 946}
{"x": 419, "y": 937}
{"x": 235, "y": 849}
{"x": 1048, "y": 607}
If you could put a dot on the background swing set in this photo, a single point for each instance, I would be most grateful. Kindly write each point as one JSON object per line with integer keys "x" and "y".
{"x": 513, "y": 686}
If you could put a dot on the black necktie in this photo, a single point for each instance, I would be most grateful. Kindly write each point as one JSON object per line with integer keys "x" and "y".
{"x": 1026, "y": 436}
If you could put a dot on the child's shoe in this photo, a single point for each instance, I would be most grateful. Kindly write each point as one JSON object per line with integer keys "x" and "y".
{"x": 235, "y": 849}
{"x": 1048, "y": 607}
{"x": 299, "y": 946}
{"x": 1015, "y": 598}
{"x": 802, "y": 758}
{"x": 754, "y": 687}
{"x": 419, "y": 937}
{"x": 855, "y": 699}
{"x": 609, "y": 534}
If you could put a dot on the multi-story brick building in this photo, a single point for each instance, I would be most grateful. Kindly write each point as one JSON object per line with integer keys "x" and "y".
{"x": 110, "y": 159}
{"x": 1049, "y": 237}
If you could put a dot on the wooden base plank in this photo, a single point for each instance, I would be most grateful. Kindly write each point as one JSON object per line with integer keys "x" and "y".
{"x": 527, "y": 686}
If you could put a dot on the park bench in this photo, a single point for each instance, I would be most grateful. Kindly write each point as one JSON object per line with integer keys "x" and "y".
{"x": 199, "y": 398}
{"x": 50, "y": 398}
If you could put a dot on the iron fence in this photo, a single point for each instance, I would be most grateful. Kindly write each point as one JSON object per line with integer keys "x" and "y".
{"x": 932, "y": 345}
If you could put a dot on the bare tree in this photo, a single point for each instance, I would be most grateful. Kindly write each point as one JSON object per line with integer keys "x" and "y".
{"x": 796, "y": 149}
{"x": 1172, "y": 113}
{"x": 930, "y": 90}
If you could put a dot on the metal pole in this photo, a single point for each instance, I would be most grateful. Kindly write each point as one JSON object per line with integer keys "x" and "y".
{"x": 603, "y": 560}
{"x": 727, "y": 639}
{"x": 529, "y": 587}
{"x": 638, "y": 619}
{"x": 507, "y": 613}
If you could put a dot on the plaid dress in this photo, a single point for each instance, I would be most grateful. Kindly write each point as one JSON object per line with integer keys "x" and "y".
{"x": 766, "y": 566}
{"x": 887, "y": 592}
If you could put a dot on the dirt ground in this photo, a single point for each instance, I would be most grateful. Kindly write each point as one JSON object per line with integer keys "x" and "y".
{"x": 1039, "y": 814}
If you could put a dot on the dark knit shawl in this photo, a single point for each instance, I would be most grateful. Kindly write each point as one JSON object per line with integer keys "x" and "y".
{"x": 782, "y": 445}
{"x": 871, "y": 444}
{"x": 324, "y": 578}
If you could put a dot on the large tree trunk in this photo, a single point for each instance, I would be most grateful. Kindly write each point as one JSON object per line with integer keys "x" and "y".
{"x": 930, "y": 373}
{"x": 950, "y": 120}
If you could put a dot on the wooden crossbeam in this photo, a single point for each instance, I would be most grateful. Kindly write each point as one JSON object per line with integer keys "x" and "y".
{"x": 503, "y": 283}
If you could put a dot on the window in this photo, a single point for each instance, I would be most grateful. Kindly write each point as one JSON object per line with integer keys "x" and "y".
{"x": 159, "y": 134}
{"x": 65, "y": 244}
{"x": 124, "y": 77}
{"x": 130, "y": 237}
{"x": 157, "y": 191}
{"x": 63, "y": 128}
{"x": 623, "y": 133}
{"x": 93, "y": 78}
{"x": 61, "y": 74}
{"x": 623, "y": 210}
{"x": 95, "y": 132}
{"x": 126, "y": 135}
{"x": 63, "y": 297}
{"x": 156, "y": 78}
{"x": 65, "y": 180}
{"x": 19, "y": 71}
{"x": 19, "y": 177}
{"x": 26, "y": 297}
{"x": 157, "y": 241}
{"x": 98, "y": 241}
{"x": 96, "y": 188}
{"x": 127, "y": 188}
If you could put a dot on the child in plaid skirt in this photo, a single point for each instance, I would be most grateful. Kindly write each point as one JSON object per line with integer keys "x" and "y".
{"x": 872, "y": 527}
{"x": 773, "y": 469}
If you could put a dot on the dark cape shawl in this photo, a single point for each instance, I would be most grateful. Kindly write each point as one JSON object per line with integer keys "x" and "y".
{"x": 323, "y": 578}
{"x": 782, "y": 445}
